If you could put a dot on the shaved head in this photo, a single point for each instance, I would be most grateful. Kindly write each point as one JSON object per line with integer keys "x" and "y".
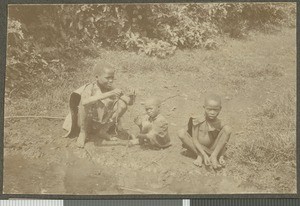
{"x": 152, "y": 106}
{"x": 102, "y": 67}
{"x": 212, "y": 106}
{"x": 212, "y": 99}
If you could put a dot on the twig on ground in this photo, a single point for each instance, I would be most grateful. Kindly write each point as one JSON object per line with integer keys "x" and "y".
{"x": 177, "y": 95}
{"x": 154, "y": 161}
{"x": 250, "y": 162}
{"x": 31, "y": 116}
{"x": 89, "y": 155}
{"x": 9, "y": 96}
{"x": 68, "y": 144}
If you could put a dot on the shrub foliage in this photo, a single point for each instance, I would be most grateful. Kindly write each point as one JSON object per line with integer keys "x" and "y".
{"x": 43, "y": 38}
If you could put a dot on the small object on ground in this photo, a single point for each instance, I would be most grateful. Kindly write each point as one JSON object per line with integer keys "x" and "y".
{"x": 171, "y": 97}
{"x": 240, "y": 132}
{"x": 222, "y": 160}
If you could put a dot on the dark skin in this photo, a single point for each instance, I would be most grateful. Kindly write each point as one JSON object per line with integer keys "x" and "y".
{"x": 152, "y": 108}
{"x": 212, "y": 109}
{"x": 104, "y": 81}
{"x": 207, "y": 149}
{"x": 104, "y": 78}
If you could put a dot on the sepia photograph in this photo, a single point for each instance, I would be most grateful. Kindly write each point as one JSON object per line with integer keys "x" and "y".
{"x": 150, "y": 99}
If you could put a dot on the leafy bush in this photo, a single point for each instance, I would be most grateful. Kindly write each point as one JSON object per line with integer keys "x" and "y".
{"x": 41, "y": 36}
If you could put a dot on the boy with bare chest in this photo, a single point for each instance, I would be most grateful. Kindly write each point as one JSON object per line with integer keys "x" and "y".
{"x": 207, "y": 136}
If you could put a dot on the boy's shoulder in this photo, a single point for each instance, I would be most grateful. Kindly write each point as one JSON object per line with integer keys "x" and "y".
{"x": 197, "y": 119}
{"x": 89, "y": 88}
{"x": 84, "y": 88}
{"x": 210, "y": 126}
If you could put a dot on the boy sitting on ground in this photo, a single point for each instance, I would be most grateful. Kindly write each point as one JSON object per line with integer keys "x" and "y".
{"x": 96, "y": 107}
{"x": 207, "y": 136}
{"x": 153, "y": 126}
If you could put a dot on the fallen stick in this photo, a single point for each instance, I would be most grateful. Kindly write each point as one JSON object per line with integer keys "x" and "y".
{"x": 164, "y": 100}
{"x": 177, "y": 95}
{"x": 89, "y": 154}
{"x": 153, "y": 161}
{"x": 138, "y": 190}
{"x": 31, "y": 116}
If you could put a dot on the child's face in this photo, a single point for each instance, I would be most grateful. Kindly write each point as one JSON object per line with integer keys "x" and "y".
{"x": 152, "y": 110}
{"x": 106, "y": 79}
{"x": 212, "y": 109}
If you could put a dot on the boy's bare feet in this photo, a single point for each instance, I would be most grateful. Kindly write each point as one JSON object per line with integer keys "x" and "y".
{"x": 207, "y": 160}
{"x": 222, "y": 160}
{"x": 113, "y": 138}
{"x": 198, "y": 161}
{"x": 107, "y": 136}
{"x": 81, "y": 140}
{"x": 214, "y": 162}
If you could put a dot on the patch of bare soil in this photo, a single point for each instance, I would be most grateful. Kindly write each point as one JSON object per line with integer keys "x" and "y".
{"x": 37, "y": 160}
{"x": 55, "y": 166}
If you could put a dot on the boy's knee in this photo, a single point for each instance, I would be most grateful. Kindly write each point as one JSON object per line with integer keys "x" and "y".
{"x": 121, "y": 105}
{"x": 181, "y": 133}
{"x": 227, "y": 129}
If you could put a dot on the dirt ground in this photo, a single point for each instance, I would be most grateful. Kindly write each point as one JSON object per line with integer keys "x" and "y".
{"x": 37, "y": 160}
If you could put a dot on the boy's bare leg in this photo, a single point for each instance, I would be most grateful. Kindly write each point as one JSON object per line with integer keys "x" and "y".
{"x": 219, "y": 146}
{"x": 103, "y": 129}
{"x": 118, "y": 110}
{"x": 83, "y": 123}
{"x": 187, "y": 141}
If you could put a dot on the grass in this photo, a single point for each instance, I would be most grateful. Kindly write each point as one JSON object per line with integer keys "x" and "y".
{"x": 256, "y": 74}
{"x": 273, "y": 128}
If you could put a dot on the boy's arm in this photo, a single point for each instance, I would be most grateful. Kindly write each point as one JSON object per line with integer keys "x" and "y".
{"x": 86, "y": 100}
{"x": 159, "y": 130}
{"x": 129, "y": 99}
{"x": 138, "y": 121}
{"x": 196, "y": 120}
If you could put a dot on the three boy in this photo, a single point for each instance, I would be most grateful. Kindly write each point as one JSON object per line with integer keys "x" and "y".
{"x": 98, "y": 106}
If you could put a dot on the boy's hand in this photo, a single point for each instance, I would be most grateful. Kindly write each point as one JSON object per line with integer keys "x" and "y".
{"x": 116, "y": 93}
{"x": 131, "y": 92}
{"x": 137, "y": 120}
